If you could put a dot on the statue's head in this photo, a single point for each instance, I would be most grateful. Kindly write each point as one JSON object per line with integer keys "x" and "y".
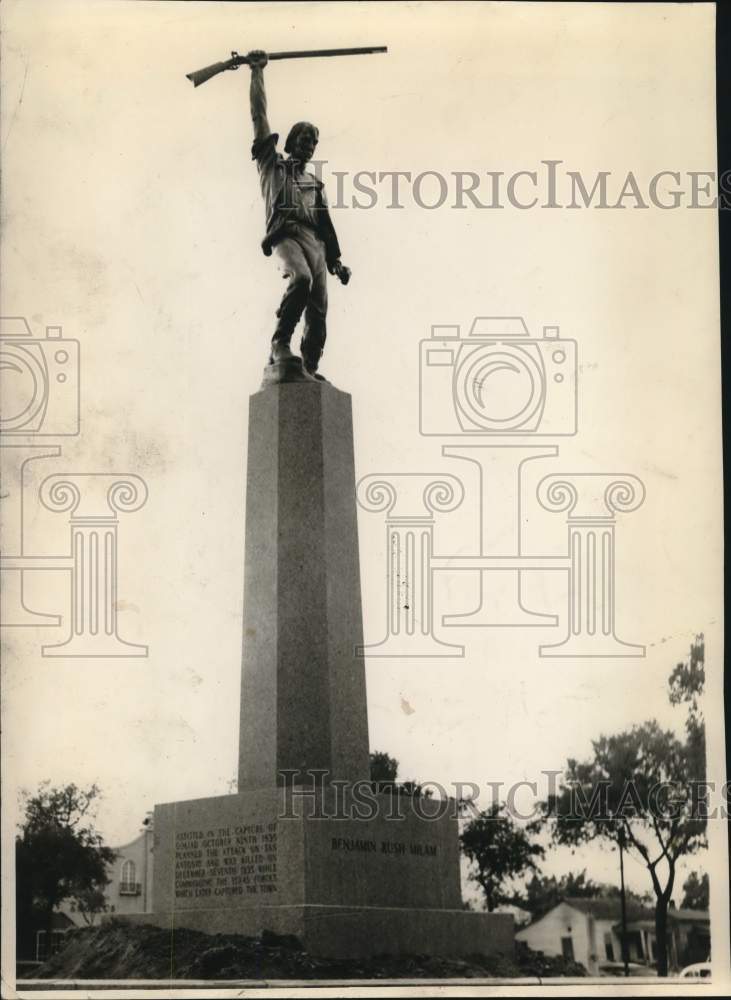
{"x": 301, "y": 141}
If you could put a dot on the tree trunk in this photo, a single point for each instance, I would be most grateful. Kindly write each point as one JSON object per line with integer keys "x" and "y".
{"x": 48, "y": 925}
{"x": 661, "y": 933}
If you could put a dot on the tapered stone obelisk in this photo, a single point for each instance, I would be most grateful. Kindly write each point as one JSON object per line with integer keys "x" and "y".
{"x": 347, "y": 871}
{"x": 303, "y": 696}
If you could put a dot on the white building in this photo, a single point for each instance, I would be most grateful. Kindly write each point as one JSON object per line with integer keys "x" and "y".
{"x": 588, "y": 931}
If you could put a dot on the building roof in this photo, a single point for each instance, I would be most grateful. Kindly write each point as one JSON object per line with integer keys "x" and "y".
{"x": 132, "y": 843}
{"x": 603, "y": 908}
{"x": 609, "y": 908}
{"x": 702, "y": 916}
{"x": 637, "y": 925}
{"x": 520, "y": 915}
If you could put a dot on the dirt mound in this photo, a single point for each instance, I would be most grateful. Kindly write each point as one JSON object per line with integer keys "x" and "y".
{"x": 121, "y": 950}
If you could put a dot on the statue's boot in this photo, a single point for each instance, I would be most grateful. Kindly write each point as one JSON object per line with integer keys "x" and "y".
{"x": 284, "y": 366}
{"x": 310, "y": 361}
{"x": 280, "y": 352}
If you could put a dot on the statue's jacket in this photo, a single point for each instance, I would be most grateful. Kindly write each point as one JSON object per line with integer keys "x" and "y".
{"x": 280, "y": 196}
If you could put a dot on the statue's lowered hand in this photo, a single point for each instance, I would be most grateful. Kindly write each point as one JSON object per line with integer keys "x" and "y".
{"x": 342, "y": 272}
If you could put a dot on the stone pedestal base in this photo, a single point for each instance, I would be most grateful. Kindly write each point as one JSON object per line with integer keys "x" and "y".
{"x": 349, "y": 876}
{"x": 354, "y": 932}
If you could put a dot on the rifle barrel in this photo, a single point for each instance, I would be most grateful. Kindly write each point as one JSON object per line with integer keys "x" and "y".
{"x": 309, "y": 53}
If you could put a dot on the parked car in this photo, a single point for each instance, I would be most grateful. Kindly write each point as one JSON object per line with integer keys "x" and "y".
{"x": 617, "y": 969}
{"x": 701, "y": 970}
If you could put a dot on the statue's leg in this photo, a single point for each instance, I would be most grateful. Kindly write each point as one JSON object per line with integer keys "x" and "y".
{"x": 293, "y": 264}
{"x": 313, "y": 339}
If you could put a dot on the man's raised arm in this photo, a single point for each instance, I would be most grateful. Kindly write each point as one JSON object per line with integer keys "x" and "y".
{"x": 257, "y": 95}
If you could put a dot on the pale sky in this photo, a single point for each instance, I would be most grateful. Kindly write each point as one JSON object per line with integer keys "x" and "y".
{"x": 132, "y": 217}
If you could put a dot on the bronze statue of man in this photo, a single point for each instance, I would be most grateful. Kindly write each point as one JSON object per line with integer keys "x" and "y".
{"x": 299, "y": 231}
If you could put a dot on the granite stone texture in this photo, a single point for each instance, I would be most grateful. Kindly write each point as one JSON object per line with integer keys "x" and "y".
{"x": 303, "y": 698}
{"x": 348, "y": 872}
{"x": 261, "y": 847}
{"x": 345, "y": 887}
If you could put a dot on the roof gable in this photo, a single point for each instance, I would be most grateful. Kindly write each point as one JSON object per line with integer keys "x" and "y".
{"x": 609, "y": 908}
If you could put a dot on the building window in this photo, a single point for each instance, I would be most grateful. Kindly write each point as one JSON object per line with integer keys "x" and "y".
{"x": 128, "y": 886}
{"x": 567, "y": 948}
{"x": 609, "y": 947}
{"x": 42, "y": 944}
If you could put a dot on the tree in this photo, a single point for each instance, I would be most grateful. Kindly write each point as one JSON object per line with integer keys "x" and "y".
{"x": 384, "y": 772}
{"x": 638, "y": 900}
{"x": 640, "y": 792}
{"x": 384, "y": 769}
{"x": 543, "y": 892}
{"x": 636, "y": 793}
{"x": 58, "y": 853}
{"x": 89, "y": 902}
{"x": 696, "y": 894}
{"x": 501, "y": 850}
{"x": 686, "y": 686}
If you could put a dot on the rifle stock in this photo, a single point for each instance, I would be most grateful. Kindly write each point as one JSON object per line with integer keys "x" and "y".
{"x": 199, "y": 76}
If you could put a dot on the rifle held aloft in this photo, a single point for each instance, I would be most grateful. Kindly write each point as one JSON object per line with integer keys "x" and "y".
{"x": 199, "y": 76}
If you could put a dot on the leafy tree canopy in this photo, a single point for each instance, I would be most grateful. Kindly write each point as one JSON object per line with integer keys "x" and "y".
{"x": 642, "y": 791}
{"x": 686, "y": 687}
{"x": 501, "y": 850}
{"x": 59, "y": 855}
{"x": 696, "y": 895}
{"x": 688, "y": 679}
{"x": 384, "y": 772}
